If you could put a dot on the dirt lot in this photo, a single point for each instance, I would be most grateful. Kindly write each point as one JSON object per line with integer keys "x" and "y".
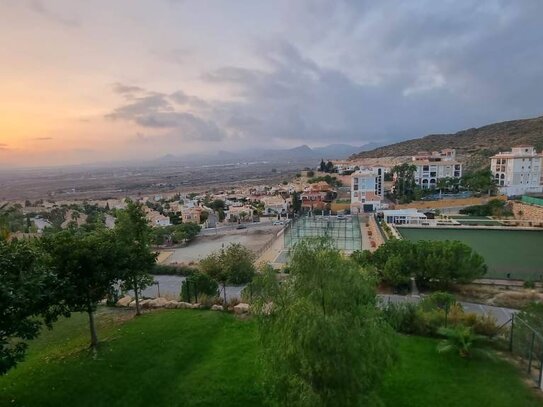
{"x": 253, "y": 239}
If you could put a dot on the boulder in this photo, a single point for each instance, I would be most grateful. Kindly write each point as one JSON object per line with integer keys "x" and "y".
{"x": 158, "y": 302}
{"x": 184, "y": 305}
{"x": 196, "y": 306}
{"x": 241, "y": 308}
{"x": 171, "y": 304}
{"x": 145, "y": 304}
{"x": 217, "y": 307}
{"x": 133, "y": 304}
{"x": 123, "y": 302}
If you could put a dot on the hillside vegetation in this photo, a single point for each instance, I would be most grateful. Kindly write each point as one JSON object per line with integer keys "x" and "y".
{"x": 474, "y": 146}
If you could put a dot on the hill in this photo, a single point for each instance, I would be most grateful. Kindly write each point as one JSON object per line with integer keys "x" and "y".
{"x": 473, "y": 146}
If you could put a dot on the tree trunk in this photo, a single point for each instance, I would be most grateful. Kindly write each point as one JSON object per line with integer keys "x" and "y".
{"x": 224, "y": 291}
{"x": 138, "y": 312}
{"x": 94, "y": 337}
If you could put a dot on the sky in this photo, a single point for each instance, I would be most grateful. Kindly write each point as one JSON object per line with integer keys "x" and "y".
{"x": 92, "y": 81}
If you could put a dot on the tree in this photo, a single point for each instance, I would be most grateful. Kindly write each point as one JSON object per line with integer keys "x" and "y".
{"x": 329, "y": 166}
{"x": 133, "y": 235}
{"x": 323, "y": 339}
{"x": 432, "y": 263}
{"x": 233, "y": 265}
{"x": 481, "y": 181}
{"x": 27, "y": 299}
{"x": 86, "y": 265}
{"x": 322, "y": 167}
{"x": 405, "y": 185}
{"x": 197, "y": 284}
{"x": 296, "y": 204}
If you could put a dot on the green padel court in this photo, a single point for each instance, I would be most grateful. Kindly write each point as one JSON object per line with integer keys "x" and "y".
{"x": 517, "y": 252}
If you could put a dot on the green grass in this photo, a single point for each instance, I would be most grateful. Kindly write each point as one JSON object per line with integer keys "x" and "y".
{"x": 518, "y": 252}
{"x": 204, "y": 358}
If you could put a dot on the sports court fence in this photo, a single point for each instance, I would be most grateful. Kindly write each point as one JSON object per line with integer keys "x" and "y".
{"x": 526, "y": 343}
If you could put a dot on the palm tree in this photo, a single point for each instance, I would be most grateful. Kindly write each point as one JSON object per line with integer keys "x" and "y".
{"x": 463, "y": 340}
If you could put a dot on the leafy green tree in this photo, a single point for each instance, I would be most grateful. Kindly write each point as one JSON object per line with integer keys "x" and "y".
{"x": 405, "y": 186}
{"x": 296, "y": 204}
{"x": 27, "y": 299}
{"x": 133, "y": 236}
{"x": 233, "y": 265}
{"x": 323, "y": 339}
{"x": 86, "y": 266}
{"x": 481, "y": 181}
{"x": 197, "y": 284}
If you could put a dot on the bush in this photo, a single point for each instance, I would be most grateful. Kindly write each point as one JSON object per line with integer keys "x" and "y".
{"x": 170, "y": 270}
{"x": 402, "y": 317}
{"x": 197, "y": 285}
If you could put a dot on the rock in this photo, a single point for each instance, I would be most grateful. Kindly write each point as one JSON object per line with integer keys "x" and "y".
{"x": 217, "y": 307}
{"x": 123, "y": 302}
{"x": 145, "y": 304}
{"x": 241, "y": 308}
{"x": 171, "y": 304}
{"x": 133, "y": 304}
{"x": 184, "y": 305}
{"x": 158, "y": 302}
{"x": 196, "y": 306}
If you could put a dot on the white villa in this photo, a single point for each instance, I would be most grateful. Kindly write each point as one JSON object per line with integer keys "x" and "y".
{"x": 518, "y": 171}
{"x": 431, "y": 167}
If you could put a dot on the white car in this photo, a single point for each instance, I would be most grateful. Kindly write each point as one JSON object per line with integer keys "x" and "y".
{"x": 278, "y": 222}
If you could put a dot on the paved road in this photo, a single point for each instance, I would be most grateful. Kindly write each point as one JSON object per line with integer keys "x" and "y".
{"x": 501, "y": 314}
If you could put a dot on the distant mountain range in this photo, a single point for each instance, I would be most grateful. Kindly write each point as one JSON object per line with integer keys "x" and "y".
{"x": 301, "y": 153}
{"x": 473, "y": 146}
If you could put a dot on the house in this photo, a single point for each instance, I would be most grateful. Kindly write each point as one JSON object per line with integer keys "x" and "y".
{"x": 431, "y": 167}
{"x": 367, "y": 189}
{"x": 191, "y": 215}
{"x": 403, "y": 217}
{"x": 518, "y": 171}
{"x": 156, "y": 219}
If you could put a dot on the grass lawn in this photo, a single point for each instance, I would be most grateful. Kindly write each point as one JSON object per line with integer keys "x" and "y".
{"x": 505, "y": 251}
{"x": 204, "y": 358}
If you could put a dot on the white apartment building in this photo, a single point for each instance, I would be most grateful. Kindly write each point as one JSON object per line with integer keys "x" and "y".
{"x": 431, "y": 167}
{"x": 518, "y": 171}
{"x": 367, "y": 189}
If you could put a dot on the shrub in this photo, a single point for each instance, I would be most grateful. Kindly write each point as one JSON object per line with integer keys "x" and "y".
{"x": 401, "y": 316}
{"x": 196, "y": 285}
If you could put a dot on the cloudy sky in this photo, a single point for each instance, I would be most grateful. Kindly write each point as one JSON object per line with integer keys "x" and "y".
{"x": 86, "y": 81}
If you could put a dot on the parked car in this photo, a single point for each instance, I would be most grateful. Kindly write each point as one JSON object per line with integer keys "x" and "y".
{"x": 278, "y": 222}
{"x": 241, "y": 227}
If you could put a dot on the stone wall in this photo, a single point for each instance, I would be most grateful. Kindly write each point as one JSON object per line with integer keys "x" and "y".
{"x": 525, "y": 211}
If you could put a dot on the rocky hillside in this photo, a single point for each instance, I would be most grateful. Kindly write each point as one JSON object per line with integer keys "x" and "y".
{"x": 473, "y": 146}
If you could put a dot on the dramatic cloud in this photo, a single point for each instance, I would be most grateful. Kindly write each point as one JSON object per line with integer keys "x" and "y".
{"x": 193, "y": 76}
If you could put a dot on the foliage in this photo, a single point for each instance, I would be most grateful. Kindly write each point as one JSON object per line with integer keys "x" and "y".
{"x": 404, "y": 185}
{"x": 494, "y": 207}
{"x": 481, "y": 181}
{"x": 172, "y": 270}
{"x": 323, "y": 340}
{"x": 27, "y": 299}
{"x": 175, "y": 234}
{"x": 296, "y": 202}
{"x": 432, "y": 263}
{"x": 233, "y": 265}
{"x": 12, "y": 220}
{"x": 198, "y": 284}
{"x": 136, "y": 259}
{"x": 461, "y": 339}
{"x": 428, "y": 316}
{"x": 86, "y": 266}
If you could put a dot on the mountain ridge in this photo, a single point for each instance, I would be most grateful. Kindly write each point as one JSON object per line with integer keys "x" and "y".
{"x": 474, "y": 146}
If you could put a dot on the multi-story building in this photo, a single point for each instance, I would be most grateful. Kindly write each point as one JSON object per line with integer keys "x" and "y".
{"x": 518, "y": 171}
{"x": 367, "y": 189}
{"x": 431, "y": 167}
